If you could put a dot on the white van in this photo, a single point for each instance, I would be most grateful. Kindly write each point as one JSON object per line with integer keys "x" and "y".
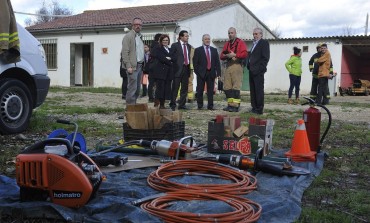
{"x": 23, "y": 85}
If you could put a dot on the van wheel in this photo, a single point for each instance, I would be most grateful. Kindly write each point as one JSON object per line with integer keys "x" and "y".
{"x": 15, "y": 106}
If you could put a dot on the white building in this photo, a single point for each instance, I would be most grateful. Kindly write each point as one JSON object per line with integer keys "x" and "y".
{"x": 84, "y": 50}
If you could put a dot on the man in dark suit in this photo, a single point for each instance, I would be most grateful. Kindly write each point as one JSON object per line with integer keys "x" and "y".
{"x": 181, "y": 50}
{"x": 257, "y": 66}
{"x": 206, "y": 66}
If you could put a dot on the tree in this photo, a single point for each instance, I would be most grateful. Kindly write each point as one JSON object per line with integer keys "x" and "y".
{"x": 49, "y": 11}
{"x": 276, "y": 31}
{"x": 347, "y": 30}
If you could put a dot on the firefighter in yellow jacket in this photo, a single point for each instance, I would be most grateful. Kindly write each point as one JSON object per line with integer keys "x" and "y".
{"x": 324, "y": 63}
{"x": 9, "y": 41}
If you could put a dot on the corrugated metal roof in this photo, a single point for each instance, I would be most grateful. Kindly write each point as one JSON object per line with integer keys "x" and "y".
{"x": 341, "y": 38}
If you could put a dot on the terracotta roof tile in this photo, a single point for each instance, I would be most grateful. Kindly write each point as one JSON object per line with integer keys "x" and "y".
{"x": 154, "y": 14}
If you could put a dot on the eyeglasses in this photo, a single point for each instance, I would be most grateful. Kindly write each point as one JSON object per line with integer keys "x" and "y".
{"x": 137, "y": 24}
{"x": 255, "y": 33}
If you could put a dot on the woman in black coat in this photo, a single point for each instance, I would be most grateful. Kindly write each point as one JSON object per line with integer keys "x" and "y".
{"x": 161, "y": 70}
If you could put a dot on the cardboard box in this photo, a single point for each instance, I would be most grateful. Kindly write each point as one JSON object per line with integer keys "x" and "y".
{"x": 218, "y": 143}
{"x": 264, "y": 132}
{"x": 239, "y": 132}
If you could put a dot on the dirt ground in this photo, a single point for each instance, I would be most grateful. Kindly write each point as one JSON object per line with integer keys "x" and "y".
{"x": 199, "y": 131}
{"x": 191, "y": 116}
{"x": 114, "y": 100}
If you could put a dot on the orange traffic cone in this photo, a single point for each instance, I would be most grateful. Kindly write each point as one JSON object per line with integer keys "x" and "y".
{"x": 300, "y": 151}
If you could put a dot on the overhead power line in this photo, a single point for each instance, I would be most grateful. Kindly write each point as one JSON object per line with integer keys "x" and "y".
{"x": 34, "y": 14}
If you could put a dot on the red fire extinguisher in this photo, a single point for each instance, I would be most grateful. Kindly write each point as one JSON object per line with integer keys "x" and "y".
{"x": 312, "y": 119}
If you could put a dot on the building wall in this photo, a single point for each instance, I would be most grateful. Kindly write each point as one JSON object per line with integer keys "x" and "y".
{"x": 105, "y": 66}
{"x": 231, "y": 16}
{"x": 217, "y": 23}
{"x": 277, "y": 77}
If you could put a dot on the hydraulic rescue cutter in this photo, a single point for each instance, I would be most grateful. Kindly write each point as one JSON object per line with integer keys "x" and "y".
{"x": 53, "y": 170}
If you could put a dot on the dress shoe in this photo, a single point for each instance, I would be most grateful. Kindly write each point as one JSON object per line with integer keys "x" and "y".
{"x": 150, "y": 100}
{"x": 233, "y": 109}
{"x": 211, "y": 108}
{"x": 173, "y": 108}
{"x": 182, "y": 107}
{"x": 226, "y": 108}
{"x": 200, "y": 108}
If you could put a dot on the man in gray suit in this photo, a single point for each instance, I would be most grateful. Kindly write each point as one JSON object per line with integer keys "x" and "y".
{"x": 257, "y": 66}
{"x": 132, "y": 54}
{"x": 181, "y": 50}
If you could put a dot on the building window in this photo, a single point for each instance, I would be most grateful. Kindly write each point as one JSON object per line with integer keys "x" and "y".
{"x": 305, "y": 48}
{"x": 50, "y": 47}
{"x": 148, "y": 38}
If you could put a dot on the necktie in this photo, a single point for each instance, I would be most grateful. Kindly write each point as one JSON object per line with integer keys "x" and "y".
{"x": 186, "y": 62}
{"x": 254, "y": 45}
{"x": 208, "y": 58}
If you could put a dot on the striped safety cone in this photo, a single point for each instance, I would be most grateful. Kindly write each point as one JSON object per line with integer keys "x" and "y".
{"x": 300, "y": 150}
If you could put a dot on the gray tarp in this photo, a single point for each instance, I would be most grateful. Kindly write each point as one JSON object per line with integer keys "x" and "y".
{"x": 280, "y": 198}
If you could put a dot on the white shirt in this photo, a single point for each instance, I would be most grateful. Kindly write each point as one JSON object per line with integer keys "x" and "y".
{"x": 139, "y": 48}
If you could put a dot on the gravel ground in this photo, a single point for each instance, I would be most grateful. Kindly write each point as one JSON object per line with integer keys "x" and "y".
{"x": 198, "y": 131}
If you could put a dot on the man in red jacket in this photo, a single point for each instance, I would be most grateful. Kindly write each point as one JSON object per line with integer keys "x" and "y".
{"x": 234, "y": 52}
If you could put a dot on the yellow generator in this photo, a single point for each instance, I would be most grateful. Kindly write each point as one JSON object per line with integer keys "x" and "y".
{"x": 359, "y": 87}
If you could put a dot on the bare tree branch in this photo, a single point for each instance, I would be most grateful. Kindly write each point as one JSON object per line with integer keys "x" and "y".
{"x": 49, "y": 11}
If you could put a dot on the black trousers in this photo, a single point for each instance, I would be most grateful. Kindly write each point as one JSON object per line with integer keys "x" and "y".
{"x": 315, "y": 83}
{"x": 323, "y": 93}
{"x": 151, "y": 87}
{"x": 145, "y": 90}
{"x": 200, "y": 88}
{"x": 257, "y": 92}
{"x": 182, "y": 81}
{"x": 124, "y": 85}
{"x": 295, "y": 82}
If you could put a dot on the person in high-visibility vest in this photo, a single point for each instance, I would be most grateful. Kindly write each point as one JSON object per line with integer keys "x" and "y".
{"x": 9, "y": 41}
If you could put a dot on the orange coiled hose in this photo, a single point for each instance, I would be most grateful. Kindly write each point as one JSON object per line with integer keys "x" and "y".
{"x": 243, "y": 182}
{"x": 245, "y": 210}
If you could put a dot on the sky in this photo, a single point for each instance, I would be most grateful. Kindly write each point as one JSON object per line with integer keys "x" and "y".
{"x": 291, "y": 18}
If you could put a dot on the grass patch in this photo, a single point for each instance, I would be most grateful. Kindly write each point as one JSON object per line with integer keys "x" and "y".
{"x": 338, "y": 194}
{"x": 72, "y": 90}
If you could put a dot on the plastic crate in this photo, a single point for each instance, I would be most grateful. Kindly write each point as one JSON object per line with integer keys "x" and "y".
{"x": 170, "y": 131}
